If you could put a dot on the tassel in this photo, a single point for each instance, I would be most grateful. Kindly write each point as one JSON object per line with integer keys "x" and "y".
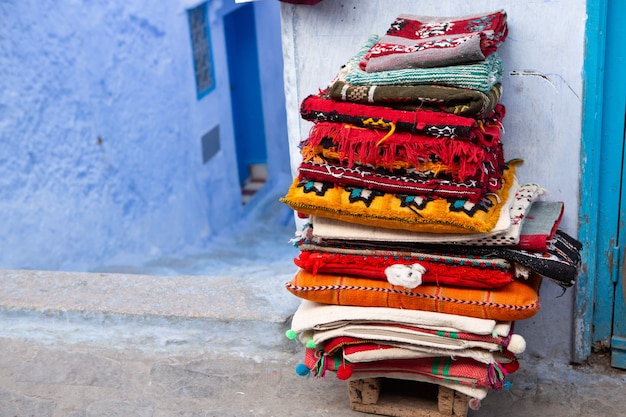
{"x": 496, "y": 375}
{"x": 319, "y": 369}
{"x": 391, "y": 132}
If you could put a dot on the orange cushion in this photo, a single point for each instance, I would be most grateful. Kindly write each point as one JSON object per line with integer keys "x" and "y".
{"x": 515, "y": 301}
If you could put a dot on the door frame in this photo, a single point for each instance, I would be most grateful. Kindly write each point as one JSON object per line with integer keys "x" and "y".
{"x": 602, "y": 135}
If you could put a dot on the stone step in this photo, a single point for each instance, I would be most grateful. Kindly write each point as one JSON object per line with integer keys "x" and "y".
{"x": 247, "y": 314}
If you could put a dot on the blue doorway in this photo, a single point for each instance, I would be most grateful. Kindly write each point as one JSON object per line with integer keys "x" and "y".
{"x": 246, "y": 102}
{"x": 601, "y": 310}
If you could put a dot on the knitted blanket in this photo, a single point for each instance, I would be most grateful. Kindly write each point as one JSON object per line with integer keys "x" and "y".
{"x": 517, "y": 300}
{"x": 320, "y": 108}
{"x": 396, "y": 211}
{"x": 424, "y": 41}
{"x": 481, "y": 76}
{"x": 459, "y": 101}
{"x": 410, "y": 270}
{"x": 463, "y": 160}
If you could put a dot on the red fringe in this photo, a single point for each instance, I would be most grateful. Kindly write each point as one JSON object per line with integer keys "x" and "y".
{"x": 361, "y": 146}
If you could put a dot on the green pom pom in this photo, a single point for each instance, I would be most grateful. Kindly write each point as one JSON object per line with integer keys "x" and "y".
{"x": 310, "y": 344}
{"x": 291, "y": 334}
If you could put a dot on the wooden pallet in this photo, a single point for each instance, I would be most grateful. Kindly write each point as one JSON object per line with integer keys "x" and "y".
{"x": 399, "y": 398}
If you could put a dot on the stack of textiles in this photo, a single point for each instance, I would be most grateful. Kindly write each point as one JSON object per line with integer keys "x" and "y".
{"x": 421, "y": 248}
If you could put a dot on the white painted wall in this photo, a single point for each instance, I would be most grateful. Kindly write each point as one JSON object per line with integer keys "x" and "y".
{"x": 544, "y": 108}
{"x": 100, "y": 127}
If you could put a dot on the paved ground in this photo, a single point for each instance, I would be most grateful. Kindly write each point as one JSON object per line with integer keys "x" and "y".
{"x": 118, "y": 344}
{"x": 89, "y": 380}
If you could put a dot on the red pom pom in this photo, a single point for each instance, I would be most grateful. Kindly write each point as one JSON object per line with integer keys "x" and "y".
{"x": 344, "y": 372}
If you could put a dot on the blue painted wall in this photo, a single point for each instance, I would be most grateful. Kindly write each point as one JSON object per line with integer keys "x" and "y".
{"x": 100, "y": 127}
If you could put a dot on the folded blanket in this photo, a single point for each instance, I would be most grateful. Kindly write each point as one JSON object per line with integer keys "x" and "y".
{"x": 410, "y": 270}
{"x": 361, "y": 350}
{"x": 560, "y": 262}
{"x": 515, "y": 301}
{"x": 398, "y": 181}
{"x": 519, "y": 213}
{"x": 459, "y": 101}
{"x": 315, "y": 316}
{"x": 404, "y": 334}
{"x": 540, "y": 226}
{"x": 438, "y": 370}
{"x": 396, "y": 211}
{"x": 425, "y": 41}
{"x": 320, "y": 108}
{"x": 481, "y": 76}
{"x": 481, "y": 161}
{"x": 432, "y": 169}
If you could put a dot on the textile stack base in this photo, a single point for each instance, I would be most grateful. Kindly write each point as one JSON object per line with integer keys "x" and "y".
{"x": 398, "y": 398}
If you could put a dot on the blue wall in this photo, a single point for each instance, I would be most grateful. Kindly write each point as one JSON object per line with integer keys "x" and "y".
{"x": 100, "y": 127}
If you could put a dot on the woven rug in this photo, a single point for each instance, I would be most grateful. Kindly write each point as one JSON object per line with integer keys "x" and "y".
{"x": 515, "y": 301}
{"x": 560, "y": 262}
{"x": 316, "y": 316}
{"x": 459, "y": 101}
{"x": 459, "y": 371}
{"x": 425, "y": 41}
{"x": 396, "y": 211}
{"x": 540, "y": 226}
{"x": 398, "y": 181}
{"x": 411, "y": 270}
{"x": 518, "y": 211}
{"x": 385, "y": 332}
{"x": 481, "y": 76}
{"x": 320, "y": 108}
{"x": 362, "y": 350}
{"x": 481, "y": 161}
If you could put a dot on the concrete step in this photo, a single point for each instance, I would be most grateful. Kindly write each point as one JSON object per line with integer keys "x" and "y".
{"x": 246, "y": 314}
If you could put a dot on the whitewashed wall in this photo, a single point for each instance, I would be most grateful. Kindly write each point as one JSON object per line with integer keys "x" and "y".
{"x": 544, "y": 104}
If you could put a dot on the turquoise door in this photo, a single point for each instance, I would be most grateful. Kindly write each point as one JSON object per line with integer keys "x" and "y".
{"x": 610, "y": 318}
{"x": 601, "y": 319}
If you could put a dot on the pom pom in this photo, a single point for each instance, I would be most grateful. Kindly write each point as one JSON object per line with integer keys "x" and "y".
{"x": 474, "y": 404}
{"x": 310, "y": 344}
{"x": 344, "y": 372}
{"x": 302, "y": 370}
{"x": 407, "y": 276}
{"x": 517, "y": 344}
{"x": 291, "y": 334}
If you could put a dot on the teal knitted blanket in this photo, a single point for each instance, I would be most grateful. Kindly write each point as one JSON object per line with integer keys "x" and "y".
{"x": 481, "y": 76}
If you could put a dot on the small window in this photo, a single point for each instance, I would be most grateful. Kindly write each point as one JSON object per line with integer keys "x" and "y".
{"x": 201, "y": 48}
